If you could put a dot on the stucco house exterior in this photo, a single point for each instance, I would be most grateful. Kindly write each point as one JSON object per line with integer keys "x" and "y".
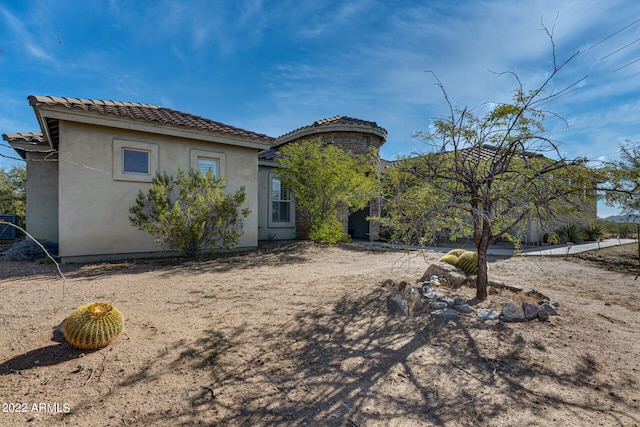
{"x": 279, "y": 219}
{"x": 86, "y": 166}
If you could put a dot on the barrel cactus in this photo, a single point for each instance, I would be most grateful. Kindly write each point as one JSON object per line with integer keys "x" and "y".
{"x": 456, "y": 252}
{"x": 468, "y": 261}
{"x": 93, "y": 326}
{"x": 450, "y": 259}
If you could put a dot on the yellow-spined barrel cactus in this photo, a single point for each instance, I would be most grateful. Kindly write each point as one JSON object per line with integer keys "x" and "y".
{"x": 450, "y": 259}
{"x": 456, "y": 252}
{"x": 93, "y": 326}
{"x": 468, "y": 261}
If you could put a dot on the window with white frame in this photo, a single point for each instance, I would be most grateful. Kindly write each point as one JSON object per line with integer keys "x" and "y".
{"x": 134, "y": 160}
{"x": 280, "y": 202}
{"x": 206, "y": 164}
{"x": 205, "y": 161}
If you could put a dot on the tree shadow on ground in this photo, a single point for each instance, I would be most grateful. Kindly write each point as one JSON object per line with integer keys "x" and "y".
{"x": 354, "y": 364}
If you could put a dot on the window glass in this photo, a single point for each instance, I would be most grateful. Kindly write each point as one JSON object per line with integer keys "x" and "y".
{"x": 206, "y": 164}
{"x": 135, "y": 161}
{"x": 280, "y": 202}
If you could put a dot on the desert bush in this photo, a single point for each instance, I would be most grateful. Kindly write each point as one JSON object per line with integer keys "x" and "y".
{"x": 190, "y": 212}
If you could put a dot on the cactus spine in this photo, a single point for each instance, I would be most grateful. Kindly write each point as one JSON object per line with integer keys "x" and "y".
{"x": 468, "y": 261}
{"x": 93, "y": 326}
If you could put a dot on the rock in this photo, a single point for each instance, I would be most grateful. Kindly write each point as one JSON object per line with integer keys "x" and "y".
{"x": 543, "y": 315}
{"x": 430, "y": 294}
{"x": 487, "y": 314}
{"x": 405, "y": 298}
{"x": 464, "y": 308}
{"x": 512, "y": 312}
{"x": 447, "y": 300}
{"x": 458, "y": 301}
{"x": 438, "y": 305}
{"x": 549, "y": 309}
{"x": 496, "y": 283}
{"x": 530, "y": 310}
{"x": 447, "y": 313}
{"x": 554, "y": 302}
{"x": 446, "y": 272}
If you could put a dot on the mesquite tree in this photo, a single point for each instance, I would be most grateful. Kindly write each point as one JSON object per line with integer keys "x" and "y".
{"x": 485, "y": 174}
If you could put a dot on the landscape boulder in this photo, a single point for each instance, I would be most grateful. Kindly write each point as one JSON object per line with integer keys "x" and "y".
{"x": 404, "y": 298}
{"x": 512, "y": 312}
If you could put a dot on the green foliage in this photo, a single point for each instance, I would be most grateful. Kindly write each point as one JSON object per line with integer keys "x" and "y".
{"x": 13, "y": 194}
{"x": 190, "y": 212}
{"x": 622, "y": 179}
{"x": 594, "y": 230}
{"x": 551, "y": 238}
{"x": 624, "y": 230}
{"x": 485, "y": 175}
{"x": 570, "y": 233}
{"x": 327, "y": 181}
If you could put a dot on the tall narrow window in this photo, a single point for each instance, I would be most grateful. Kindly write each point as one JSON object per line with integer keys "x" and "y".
{"x": 135, "y": 161}
{"x": 206, "y": 164}
{"x": 280, "y": 202}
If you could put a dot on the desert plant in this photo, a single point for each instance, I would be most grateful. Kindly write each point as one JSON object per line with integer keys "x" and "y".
{"x": 93, "y": 326}
{"x": 450, "y": 259}
{"x": 468, "y": 262}
{"x": 570, "y": 233}
{"x": 457, "y": 252}
{"x": 190, "y": 212}
{"x": 595, "y": 230}
{"x": 551, "y": 238}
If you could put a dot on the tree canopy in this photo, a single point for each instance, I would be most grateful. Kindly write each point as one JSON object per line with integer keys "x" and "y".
{"x": 621, "y": 180}
{"x": 484, "y": 175}
{"x": 13, "y": 191}
{"x": 327, "y": 181}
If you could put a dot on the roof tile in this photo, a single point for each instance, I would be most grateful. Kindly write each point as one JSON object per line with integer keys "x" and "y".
{"x": 149, "y": 113}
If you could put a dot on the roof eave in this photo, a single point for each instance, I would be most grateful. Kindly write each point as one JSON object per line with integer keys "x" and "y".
{"x": 341, "y": 127}
{"x": 44, "y": 111}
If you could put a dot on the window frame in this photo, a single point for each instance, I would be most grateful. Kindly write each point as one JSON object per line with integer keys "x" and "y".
{"x": 272, "y": 223}
{"x": 211, "y": 155}
{"x": 120, "y": 146}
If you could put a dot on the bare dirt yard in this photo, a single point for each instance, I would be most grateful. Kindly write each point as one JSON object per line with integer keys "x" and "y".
{"x": 300, "y": 335}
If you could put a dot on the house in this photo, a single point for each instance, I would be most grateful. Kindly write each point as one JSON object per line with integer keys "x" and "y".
{"x": 278, "y": 218}
{"x": 86, "y": 166}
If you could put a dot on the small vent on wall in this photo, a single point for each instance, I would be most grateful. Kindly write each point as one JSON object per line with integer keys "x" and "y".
{"x": 8, "y": 232}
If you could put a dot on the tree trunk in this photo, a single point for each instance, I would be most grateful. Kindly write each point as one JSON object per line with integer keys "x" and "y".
{"x": 482, "y": 244}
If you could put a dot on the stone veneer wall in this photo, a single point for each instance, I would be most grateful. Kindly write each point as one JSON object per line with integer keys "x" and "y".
{"x": 354, "y": 142}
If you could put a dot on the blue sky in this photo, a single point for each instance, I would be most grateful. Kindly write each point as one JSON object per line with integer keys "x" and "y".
{"x": 273, "y": 66}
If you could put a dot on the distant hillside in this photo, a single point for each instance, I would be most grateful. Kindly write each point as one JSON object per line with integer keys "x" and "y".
{"x": 622, "y": 218}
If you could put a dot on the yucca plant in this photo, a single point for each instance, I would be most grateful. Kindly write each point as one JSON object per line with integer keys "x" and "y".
{"x": 570, "y": 233}
{"x": 595, "y": 230}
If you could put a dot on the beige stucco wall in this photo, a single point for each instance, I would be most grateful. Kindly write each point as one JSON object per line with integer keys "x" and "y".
{"x": 42, "y": 196}
{"x": 94, "y": 207}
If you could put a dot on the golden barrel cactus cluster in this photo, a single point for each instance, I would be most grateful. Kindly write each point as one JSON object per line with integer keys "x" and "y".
{"x": 93, "y": 326}
{"x": 465, "y": 260}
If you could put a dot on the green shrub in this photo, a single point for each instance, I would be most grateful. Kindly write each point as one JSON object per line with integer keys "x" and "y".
{"x": 551, "y": 238}
{"x": 190, "y": 212}
{"x": 595, "y": 230}
{"x": 570, "y": 233}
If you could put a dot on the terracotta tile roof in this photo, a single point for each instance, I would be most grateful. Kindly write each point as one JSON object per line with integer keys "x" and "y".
{"x": 270, "y": 154}
{"x": 28, "y": 137}
{"x": 487, "y": 152}
{"x": 330, "y": 123}
{"x": 149, "y": 113}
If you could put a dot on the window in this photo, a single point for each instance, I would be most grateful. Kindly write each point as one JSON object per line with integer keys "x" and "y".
{"x": 280, "y": 202}
{"x": 204, "y": 161}
{"x": 135, "y": 161}
{"x": 206, "y": 164}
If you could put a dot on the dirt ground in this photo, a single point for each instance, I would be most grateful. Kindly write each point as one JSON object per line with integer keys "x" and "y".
{"x": 301, "y": 335}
